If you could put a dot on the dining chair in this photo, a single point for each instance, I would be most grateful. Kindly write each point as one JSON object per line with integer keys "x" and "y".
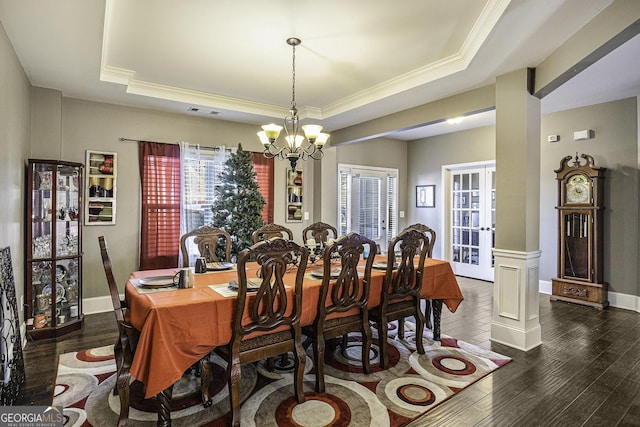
{"x": 344, "y": 299}
{"x": 267, "y": 323}
{"x": 263, "y": 233}
{"x": 319, "y": 231}
{"x": 271, "y": 230}
{"x": 125, "y": 346}
{"x": 431, "y": 235}
{"x": 400, "y": 295}
{"x": 206, "y": 238}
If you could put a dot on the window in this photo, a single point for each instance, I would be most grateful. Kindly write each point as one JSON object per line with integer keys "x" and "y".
{"x": 160, "y": 204}
{"x": 368, "y": 199}
{"x": 201, "y": 168}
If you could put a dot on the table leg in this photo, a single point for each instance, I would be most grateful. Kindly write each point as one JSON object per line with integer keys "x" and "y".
{"x": 427, "y": 314}
{"x": 436, "y": 306}
{"x": 164, "y": 407}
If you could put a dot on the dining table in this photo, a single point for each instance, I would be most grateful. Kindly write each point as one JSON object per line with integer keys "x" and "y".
{"x": 178, "y": 327}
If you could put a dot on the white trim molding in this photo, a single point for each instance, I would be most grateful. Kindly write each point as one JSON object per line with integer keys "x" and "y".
{"x": 97, "y": 304}
{"x": 616, "y": 299}
{"x": 516, "y": 321}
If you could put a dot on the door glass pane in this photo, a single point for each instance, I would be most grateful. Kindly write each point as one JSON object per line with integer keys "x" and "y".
{"x": 368, "y": 207}
{"x": 472, "y": 220}
{"x": 343, "y": 188}
{"x": 367, "y": 202}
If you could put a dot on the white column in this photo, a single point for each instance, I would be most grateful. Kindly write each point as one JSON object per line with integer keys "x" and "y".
{"x": 515, "y": 299}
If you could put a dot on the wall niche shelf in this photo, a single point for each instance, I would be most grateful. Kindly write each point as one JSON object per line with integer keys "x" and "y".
{"x": 294, "y": 196}
{"x": 102, "y": 172}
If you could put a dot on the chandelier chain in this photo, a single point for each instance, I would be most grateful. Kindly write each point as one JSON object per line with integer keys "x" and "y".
{"x": 294, "y": 149}
{"x": 293, "y": 78}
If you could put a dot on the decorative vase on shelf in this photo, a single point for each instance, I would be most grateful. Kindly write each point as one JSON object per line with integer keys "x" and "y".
{"x": 298, "y": 179}
{"x": 298, "y": 214}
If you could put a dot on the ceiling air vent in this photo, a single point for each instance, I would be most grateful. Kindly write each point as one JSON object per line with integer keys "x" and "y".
{"x": 201, "y": 111}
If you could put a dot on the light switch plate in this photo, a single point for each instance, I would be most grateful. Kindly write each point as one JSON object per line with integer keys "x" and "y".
{"x": 306, "y": 215}
{"x": 401, "y": 214}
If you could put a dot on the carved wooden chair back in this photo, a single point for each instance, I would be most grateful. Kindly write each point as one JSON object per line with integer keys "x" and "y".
{"x": 268, "y": 322}
{"x": 401, "y": 288}
{"x": 343, "y": 302}
{"x": 125, "y": 346}
{"x": 429, "y": 232}
{"x": 431, "y": 235}
{"x": 319, "y": 231}
{"x": 271, "y": 230}
{"x": 206, "y": 238}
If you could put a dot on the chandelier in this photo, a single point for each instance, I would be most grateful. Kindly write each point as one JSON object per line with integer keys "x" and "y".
{"x": 295, "y": 148}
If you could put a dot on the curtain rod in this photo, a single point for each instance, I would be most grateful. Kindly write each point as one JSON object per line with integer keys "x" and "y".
{"x": 138, "y": 140}
{"x": 174, "y": 143}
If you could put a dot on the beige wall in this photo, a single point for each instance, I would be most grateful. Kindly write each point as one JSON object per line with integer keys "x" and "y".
{"x": 379, "y": 152}
{"x": 90, "y": 125}
{"x": 15, "y": 121}
{"x": 615, "y": 147}
{"x": 425, "y": 160}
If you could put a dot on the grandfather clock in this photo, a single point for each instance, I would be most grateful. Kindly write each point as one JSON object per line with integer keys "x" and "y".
{"x": 580, "y": 213}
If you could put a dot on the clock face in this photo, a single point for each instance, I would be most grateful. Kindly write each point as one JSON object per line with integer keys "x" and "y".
{"x": 578, "y": 189}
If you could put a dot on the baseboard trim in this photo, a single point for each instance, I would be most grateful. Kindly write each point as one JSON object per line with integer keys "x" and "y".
{"x": 98, "y": 304}
{"x": 616, "y": 299}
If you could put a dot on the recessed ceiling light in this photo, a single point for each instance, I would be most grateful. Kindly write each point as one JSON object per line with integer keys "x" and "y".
{"x": 455, "y": 120}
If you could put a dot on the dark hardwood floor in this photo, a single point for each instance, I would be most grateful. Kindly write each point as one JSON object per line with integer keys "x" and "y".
{"x": 41, "y": 357}
{"x": 587, "y": 371}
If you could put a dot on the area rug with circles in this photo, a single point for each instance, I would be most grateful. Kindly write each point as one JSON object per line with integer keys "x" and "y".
{"x": 411, "y": 386}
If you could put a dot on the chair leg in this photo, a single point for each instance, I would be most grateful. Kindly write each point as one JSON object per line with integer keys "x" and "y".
{"x": 271, "y": 364}
{"x": 419, "y": 328}
{"x": 401, "y": 328}
{"x": 344, "y": 344}
{"x": 122, "y": 385}
{"x": 118, "y": 355}
{"x": 234, "y": 370}
{"x": 300, "y": 359}
{"x": 205, "y": 381}
{"x": 366, "y": 346}
{"x": 284, "y": 359}
{"x": 383, "y": 331}
{"x": 318, "y": 354}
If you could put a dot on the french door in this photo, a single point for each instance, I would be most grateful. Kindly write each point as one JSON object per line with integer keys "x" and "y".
{"x": 472, "y": 221}
{"x": 367, "y": 202}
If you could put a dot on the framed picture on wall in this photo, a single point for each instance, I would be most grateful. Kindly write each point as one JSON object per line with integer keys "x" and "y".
{"x": 425, "y": 196}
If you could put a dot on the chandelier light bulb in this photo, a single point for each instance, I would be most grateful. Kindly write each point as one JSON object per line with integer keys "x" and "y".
{"x": 272, "y": 131}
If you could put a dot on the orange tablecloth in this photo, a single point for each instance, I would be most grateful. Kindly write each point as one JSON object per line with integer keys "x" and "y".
{"x": 179, "y": 327}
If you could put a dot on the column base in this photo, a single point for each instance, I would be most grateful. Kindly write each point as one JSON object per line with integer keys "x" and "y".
{"x": 516, "y": 321}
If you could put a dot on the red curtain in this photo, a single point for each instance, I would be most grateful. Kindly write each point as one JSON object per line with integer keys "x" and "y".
{"x": 264, "y": 176}
{"x": 160, "y": 182}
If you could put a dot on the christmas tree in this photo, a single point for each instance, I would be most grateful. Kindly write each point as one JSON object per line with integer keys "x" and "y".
{"x": 237, "y": 209}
